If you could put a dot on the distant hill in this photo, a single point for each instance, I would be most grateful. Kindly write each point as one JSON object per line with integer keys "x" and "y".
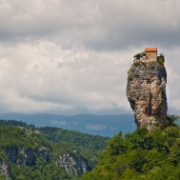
{"x": 103, "y": 125}
{"x": 27, "y": 152}
{"x": 24, "y": 154}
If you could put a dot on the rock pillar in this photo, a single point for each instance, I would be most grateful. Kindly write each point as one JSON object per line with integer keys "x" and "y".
{"x": 146, "y": 89}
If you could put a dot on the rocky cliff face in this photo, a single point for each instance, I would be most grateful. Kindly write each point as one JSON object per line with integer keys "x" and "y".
{"x": 4, "y": 169}
{"x": 21, "y": 157}
{"x": 75, "y": 166}
{"x": 146, "y": 91}
{"x": 25, "y": 156}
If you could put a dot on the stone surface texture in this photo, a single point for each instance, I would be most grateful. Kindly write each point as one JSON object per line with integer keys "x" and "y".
{"x": 146, "y": 92}
{"x": 21, "y": 157}
{"x": 75, "y": 166}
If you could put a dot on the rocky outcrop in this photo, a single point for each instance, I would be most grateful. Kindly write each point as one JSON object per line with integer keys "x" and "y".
{"x": 75, "y": 166}
{"x": 4, "y": 169}
{"x": 146, "y": 91}
{"x": 21, "y": 157}
{"x": 25, "y": 156}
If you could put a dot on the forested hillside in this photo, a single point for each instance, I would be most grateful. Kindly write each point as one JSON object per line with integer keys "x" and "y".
{"x": 55, "y": 135}
{"x": 142, "y": 155}
{"x": 26, "y": 154}
{"x": 49, "y": 153}
{"x": 76, "y": 138}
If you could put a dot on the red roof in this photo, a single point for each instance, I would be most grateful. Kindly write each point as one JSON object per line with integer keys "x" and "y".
{"x": 151, "y": 49}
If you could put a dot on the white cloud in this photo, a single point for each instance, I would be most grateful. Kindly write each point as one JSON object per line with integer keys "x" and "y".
{"x": 42, "y": 75}
{"x": 71, "y": 57}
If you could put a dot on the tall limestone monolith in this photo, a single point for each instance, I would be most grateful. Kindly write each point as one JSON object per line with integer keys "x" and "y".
{"x": 146, "y": 89}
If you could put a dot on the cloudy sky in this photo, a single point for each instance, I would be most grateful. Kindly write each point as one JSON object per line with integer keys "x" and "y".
{"x": 72, "y": 56}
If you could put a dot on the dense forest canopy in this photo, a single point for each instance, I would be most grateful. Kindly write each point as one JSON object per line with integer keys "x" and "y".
{"x": 31, "y": 153}
{"x": 142, "y": 155}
